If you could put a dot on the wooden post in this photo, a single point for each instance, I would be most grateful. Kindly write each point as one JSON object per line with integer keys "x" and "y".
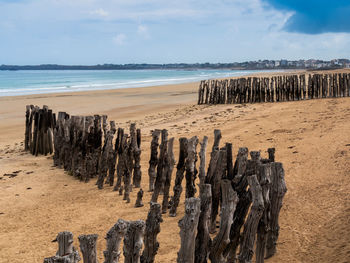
{"x": 228, "y": 207}
{"x": 202, "y": 156}
{"x": 264, "y": 180}
{"x": 139, "y": 198}
{"x": 190, "y": 167}
{"x": 65, "y": 243}
{"x": 180, "y": 169}
{"x": 154, "y": 159}
{"x": 133, "y": 241}
{"x": 229, "y": 164}
{"x": 219, "y": 173}
{"x": 114, "y": 237}
{"x": 271, "y": 152}
{"x": 277, "y": 192}
{"x": 159, "y": 183}
{"x": 128, "y": 167}
{"x": 251, "y": 225}
{"x": 111, "y": 159}
{"x": 136, "y": 152}
{"x": 88, "y": 247}
{"x": 27, "y": 127}
{"x": 188, "y": 230}
{"x": 106, "y": 151}
{"x": 168, "y": 170}
{"x": 153, "y": 221}
{"x": 137, "y": 159}
{"x": 120, "y": 148}
{"x": 203, "y": 240}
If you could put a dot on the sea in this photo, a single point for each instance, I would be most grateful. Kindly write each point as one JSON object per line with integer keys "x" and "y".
{"x": 26, "y": 82}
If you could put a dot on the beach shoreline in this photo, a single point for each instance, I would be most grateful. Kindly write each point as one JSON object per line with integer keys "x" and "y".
{"x": 309, "y": 137}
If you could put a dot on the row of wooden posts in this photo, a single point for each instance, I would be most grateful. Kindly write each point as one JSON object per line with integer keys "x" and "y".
{"x": 246, "y": 195}
{"x": 274, "y": 89}
{"x": 85, "y": 146}
{"x": 39, "y": 125}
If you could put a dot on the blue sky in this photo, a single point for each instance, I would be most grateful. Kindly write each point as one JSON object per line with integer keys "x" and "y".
{"x": 159, "y": 31}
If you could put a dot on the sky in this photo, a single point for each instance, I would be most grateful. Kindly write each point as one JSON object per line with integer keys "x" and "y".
{"x": 90, "y": 32}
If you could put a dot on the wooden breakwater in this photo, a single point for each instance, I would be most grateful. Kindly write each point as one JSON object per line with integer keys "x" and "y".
{"x": 86, "y": 148}
{"x": 274, "y": 89}
{"x": 231, "y": 213}
{"x": 39, "y": 125}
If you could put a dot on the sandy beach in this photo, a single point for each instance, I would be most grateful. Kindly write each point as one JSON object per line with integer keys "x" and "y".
{"x": 311, "y": 139}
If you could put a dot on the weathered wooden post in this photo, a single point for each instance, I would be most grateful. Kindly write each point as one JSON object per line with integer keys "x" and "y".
{"x": 180, "y": 169}
{"x": 229, "y": 163}
{"x": 136, "y": 154}
{"x": 168, "y": 170}
{"x": 190, "y": 167}
{"x": 88, "y": 248}
{"x": 139, "y": 198}
{"x": 228, "y": 207}
{"x": 153, "y": 221}
{"x": 66, "y": 252}
{"x": 154, "y": 159}
{"x": 114, "y": 238}
{"x": 188, "y": 230}
{"x": 264, "y": 174}
{"x": 271, "y": 152}
{"x": 251, "y": 225}
{"x": 240, "y": 186}
{"x": 133, "y": 241}
{"x": 215, "y": 180}
{"x": 119, "y": 149}
{"x": 137, "y": 159}
{"x": 159, "y": 183}
{"x": 106, "y": 151}
{"x": 203, "y": 240}
{"x": 202, "y": 156}
{"x": 111, "y": 159}
{"x": 27, "y": 127}
{"x": 277, "y": 192}
{"x": 128, "y": 167}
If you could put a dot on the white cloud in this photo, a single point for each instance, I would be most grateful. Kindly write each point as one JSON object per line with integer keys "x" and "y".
{"x": 100, "y": 12}
{"x": 143, "y": 31}
{"x": 119, "y": 39}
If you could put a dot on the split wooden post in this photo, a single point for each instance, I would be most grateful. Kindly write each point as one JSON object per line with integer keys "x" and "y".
{"x": 219, "y": 173}
{"x": 137, "y": 160}
{"x": 154, "y": 159}
{"x": 188, "y": 230}
{"x": 111, "y": 160}
{"x": 114, "y": 238}
{"x": 277, "y": 192}
{"x": 228, "y": 207}
{"x": 264, "y": 174}
{"x": 203, "y": 240}
{"x": 251, "y": 225}
{"x": 180, "y": 169}
{"x": 88, "y": 247}
{"x": 153, "y": 221}
{"x": 168, "y": 170}
{"x": 133, "y": 241}
{"x": 122, "y": 146}
{"x": 66, "y": 252}
{"x": 159, "y": 183}
{"x": 128, "y": 167}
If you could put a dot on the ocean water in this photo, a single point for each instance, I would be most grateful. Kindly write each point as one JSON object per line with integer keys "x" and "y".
{"x": 24, "y": 82}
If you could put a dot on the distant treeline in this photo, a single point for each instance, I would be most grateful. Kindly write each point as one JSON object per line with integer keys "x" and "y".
{"x": 183, "y": 66}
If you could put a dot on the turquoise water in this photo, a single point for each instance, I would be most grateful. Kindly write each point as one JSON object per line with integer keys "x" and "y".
{"x": 13, "y": 83}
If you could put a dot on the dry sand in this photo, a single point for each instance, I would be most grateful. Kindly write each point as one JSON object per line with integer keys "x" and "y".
{"x": 311, "y": 140}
